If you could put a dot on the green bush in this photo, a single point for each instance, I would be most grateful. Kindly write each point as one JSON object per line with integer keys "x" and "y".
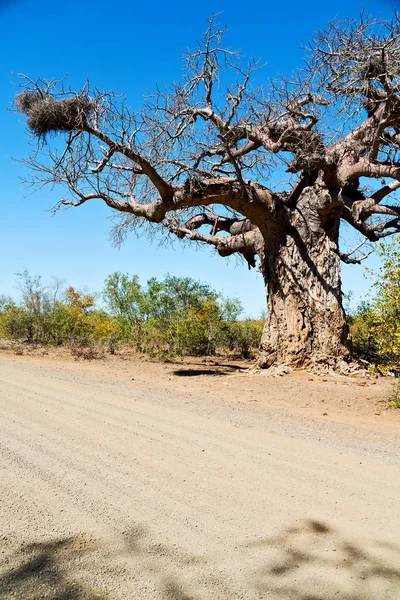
{"x": 361, "y": 333}
{"x": 243, "y": 336}
{"x": 375, "y": 326}
{"x": 175, "y": 316}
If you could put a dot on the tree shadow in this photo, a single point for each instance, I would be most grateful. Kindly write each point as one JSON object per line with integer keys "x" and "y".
{"x": 50, "y": 570}
{"x": 217, "y": 368}
{"x": 229, "y": 366}
{"x": 64, "y": 569}
{"x": 162, "y": 561}
{"x": 174, "y": 591}
{"x": 313, "y": 561}
{"x": 198, "y": 372}
{"x": 310, "y": 561}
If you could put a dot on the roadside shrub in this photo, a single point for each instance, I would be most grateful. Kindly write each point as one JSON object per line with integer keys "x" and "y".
{"x": 242, "y": 337}
{"x": 17, "y": 324}
{"x": 106, "y": 331}
{"x": 361, "y": 333}
{"x": 386, "y": 302}
{"x": 394, "y": 400}
{"x": 375, "y": 326}
{"x": 85, "y": 352}
{"x": 176, "y": 316}
{"x": 167, "y": 318}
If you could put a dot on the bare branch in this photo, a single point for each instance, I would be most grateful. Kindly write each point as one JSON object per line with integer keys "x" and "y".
{"x": 194, "y": 145}
{"x": 247, "y": 243}
{"x": 365, "y": 168}
{"x": 349, "y": 258}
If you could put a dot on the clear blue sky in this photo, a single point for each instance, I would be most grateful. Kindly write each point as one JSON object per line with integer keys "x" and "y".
{"x": 130, "y": 46}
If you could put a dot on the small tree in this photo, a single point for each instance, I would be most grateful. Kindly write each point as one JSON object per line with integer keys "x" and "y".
{"x": 30, "y": 320}
{"x": 6, "y": 302}
{"x": 123, "y": 295}
{"x": 385, "y": 307}
{"x": 197, "y": 158}
{"x": 182, "y": 314}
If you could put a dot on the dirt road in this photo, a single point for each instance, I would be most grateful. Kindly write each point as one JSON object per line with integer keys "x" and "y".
{"x": 116, "y": 491}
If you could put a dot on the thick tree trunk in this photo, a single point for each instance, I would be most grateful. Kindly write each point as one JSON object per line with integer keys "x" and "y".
{"x": 306, "y": 323}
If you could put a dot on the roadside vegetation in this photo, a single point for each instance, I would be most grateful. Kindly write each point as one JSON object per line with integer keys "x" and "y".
{"x": 178, "y": 316}
{"x": 375, "y": 325}
{"x": 165, "y": 318}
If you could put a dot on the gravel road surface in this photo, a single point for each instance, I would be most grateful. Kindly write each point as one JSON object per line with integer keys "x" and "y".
{"x": 111, "y": 491}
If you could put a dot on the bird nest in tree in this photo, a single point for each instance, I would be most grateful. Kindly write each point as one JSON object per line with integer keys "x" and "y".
{"x": 373, "y": 67}
{"x": 46, "y": 114}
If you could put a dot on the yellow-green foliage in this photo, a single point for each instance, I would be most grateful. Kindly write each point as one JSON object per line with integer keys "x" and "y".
{"x": 386, "y": 304}
{"x": 362, "y": 335}
{"x": 375, "y": 327}
{"x": 175, "y": 316}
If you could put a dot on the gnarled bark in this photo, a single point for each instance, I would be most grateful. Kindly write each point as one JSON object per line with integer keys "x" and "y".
{"x": 305, "y": 323}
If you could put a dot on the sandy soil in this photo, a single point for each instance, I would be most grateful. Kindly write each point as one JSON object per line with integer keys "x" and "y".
{"x": 121, "y": 479}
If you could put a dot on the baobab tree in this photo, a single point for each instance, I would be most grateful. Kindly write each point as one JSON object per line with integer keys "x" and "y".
{"x": 269, "y": 173}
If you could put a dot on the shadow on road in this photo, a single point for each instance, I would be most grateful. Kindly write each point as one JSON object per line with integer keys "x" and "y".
{"x": 48, "y": 570}
{"x": 72, "y": 568}
{"x": 197, "y": 372}
{"x": 313, "y": 561}
{"x": 216, "y": 369}
{"x": 310, "y": 561}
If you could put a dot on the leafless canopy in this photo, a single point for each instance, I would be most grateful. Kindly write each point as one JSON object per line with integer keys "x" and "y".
{"x": 211, "y": 151}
